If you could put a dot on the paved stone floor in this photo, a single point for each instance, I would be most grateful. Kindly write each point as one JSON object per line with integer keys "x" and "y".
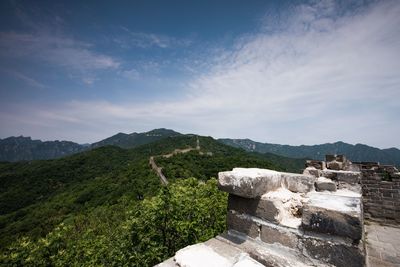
{"x": 383, "y": 245}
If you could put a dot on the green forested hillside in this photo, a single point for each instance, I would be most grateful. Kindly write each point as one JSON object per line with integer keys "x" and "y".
{"x": 106, "y": 206}
{"x": 135, "y": 139}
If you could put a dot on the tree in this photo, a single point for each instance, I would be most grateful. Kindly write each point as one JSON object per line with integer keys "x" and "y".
{"x": 187, "y": 212}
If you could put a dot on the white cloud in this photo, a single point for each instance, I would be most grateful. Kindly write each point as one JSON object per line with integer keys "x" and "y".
{"x": 319, "y": 78}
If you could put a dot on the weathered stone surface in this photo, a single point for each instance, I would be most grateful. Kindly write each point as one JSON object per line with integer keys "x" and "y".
{"x": 298, "y": 183}
{"x": 268, "y": 254}
{"x": 247, "y": 262}
{"x": 242, "y": 223}
{"x": 317, "y": 164}
{"x": 334, "y": 165}
{"x": 253, "y": 182}
{"x": 349, "y": 177}
{"x": 275, "y": 235}
{"x": 213, "y": 252}
{"x": 249, "y": 183}
{"x": 336, "y": 254}
{"x": 323, "y": 183}
{"x": 333, "y": 214}
{"x": 350, "y": 187}
{"x": 201, "y": 255}
{"x": 267, "y": 209}
{"x": 311, "y": 171}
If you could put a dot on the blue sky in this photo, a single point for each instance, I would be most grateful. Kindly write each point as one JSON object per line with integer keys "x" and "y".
{"x": 287, "y": 72}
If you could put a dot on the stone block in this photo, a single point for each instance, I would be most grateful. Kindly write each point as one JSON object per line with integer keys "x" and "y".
{"x": 349, "y": 177}
{"x": 311, "y": 171}
{"x": 249, "y": 182}
{"x": 253, "y": 182}
{"x": 243, "y": 224}
{"x": 267, "y": 209}
{"x": 334, "y": 215}
{"x": 337, "y": 254}
{"x": 334, "y": 165}
{"x": 320, "y": 165}
{"x": 298, "y": 183}
{"x": 203, "y": 254}
{"x": 329, "y": 157}
{"x": 282, "y": 236}
{"x": 323, "y": 183}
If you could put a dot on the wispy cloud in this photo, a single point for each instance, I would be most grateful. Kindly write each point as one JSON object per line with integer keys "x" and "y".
{"x": 148, "y": 40}
{"x": 26, "y": 79}
{"x": 60, "y": 50}
{"x": 319, "y": 74}
{"x": 43, "y": 42}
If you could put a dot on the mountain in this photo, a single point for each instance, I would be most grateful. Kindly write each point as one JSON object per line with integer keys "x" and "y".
{"x": 358, "y": 152}
{"x": 104, "y": 182}
{"x": 24, "y": 148}
{"x": 135, "y": 139}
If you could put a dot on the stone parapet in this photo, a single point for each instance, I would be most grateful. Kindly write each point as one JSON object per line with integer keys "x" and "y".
{"x": 280, "y": 219}
{"x": 284, "y": 209}
{"x": 381, "y": 196}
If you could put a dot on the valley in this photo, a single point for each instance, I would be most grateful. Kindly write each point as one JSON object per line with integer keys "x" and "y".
{"x": 88, "y": 199}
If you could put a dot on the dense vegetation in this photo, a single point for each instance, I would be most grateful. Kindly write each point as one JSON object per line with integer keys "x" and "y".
{"x": 129, "y": 233}
{"x": 132, "y": 140}
{"x": 107, "y": 207}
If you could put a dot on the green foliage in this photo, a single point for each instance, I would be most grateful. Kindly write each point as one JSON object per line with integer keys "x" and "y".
{"x": 94, "y": 239}
{"x": 125, "y": 234}
{"x": 136, "y": 139}
{"x": 39, "y": 195}
{"x": 204, "y": 165}
{"x": 186, "y": 213}
{"x": 86, "y": 209}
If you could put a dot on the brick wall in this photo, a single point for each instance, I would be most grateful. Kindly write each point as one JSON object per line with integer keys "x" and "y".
{"x": 381, "y": 196}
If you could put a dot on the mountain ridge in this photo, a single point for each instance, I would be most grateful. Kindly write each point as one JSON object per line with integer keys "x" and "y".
{"x": 25, "y": 148}
{"x": 357, "y": 152}
{"x": 20, "y": 148}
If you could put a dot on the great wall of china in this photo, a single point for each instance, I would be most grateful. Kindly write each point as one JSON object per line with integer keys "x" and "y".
{"x": 337, "y": 213}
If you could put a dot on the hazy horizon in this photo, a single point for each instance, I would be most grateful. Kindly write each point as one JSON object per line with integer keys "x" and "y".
{"x": 283, "y": 72}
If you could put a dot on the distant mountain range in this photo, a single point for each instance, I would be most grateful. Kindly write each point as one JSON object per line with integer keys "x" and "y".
{"x": 358, "y": 152}
{"x": 24, "y": 148}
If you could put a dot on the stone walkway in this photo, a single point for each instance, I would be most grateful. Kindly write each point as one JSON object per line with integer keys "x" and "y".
{"x": 383, "y": 245}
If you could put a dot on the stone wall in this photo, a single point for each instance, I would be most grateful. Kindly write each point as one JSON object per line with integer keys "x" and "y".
{"x": 381, "y": 195}
{"x": 316, "y": 217}
{"x": 280, "y": 219}
{"x": 380, "y": 185}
